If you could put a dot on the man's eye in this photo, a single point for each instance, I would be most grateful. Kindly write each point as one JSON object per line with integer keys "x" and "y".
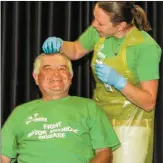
{"x": 62, "y": 69}
{"x": 48, "y": 68}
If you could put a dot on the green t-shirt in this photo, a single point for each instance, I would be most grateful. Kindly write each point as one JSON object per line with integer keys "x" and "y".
{"x": 57, "y": 131}
{"x": 143, "y": 59}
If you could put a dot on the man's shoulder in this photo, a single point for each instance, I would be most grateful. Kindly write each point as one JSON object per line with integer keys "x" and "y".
{"x": 83, "y": 99}
{"x": 27, "y": 104}
{"x": 23, "y": 109}
{"x": 85, "y": 103}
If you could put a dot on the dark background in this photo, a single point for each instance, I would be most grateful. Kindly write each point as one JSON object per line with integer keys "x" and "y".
{"x": 25, "y": 26}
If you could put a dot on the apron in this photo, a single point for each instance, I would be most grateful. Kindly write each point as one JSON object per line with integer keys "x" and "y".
{"x": 133, "y": 125}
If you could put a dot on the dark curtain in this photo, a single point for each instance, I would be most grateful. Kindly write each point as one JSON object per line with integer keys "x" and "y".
{"x": 25, "y": 26}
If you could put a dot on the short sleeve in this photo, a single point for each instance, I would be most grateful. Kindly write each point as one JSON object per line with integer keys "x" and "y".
{"x": 88, "y": 38}
{"x": 9, "y": 138}
{"x": 102, "y": 132}
{"x": 147, "y": 66}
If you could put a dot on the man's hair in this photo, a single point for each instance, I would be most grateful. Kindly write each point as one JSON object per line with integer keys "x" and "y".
{"x": 37, "y": 62}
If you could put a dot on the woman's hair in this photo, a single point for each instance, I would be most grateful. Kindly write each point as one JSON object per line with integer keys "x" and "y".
{"x": 127, "y": 12}
{"x": 37, "y": 62}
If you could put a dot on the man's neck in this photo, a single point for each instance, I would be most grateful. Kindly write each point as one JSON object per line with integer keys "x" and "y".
{"x": 54, "y": 97}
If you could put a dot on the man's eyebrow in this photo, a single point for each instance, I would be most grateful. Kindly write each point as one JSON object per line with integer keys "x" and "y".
{"x": 46, "y": 66}
{"x": 56, "y": 66}
{"x": 63, "y": 66}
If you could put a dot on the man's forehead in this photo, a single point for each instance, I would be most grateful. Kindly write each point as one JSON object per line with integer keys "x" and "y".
{"x": 54, "y": 60}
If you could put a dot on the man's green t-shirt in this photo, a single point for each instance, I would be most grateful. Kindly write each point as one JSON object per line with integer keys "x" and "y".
{"x": 67, "y": 130}
{"x": 143, "y": 59}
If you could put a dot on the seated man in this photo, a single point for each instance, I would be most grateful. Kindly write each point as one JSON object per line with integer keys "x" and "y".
{"x": 57, "y": 128}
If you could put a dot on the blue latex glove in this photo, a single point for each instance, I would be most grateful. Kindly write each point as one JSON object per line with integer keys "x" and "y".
{"x": 52, "y": 45}
{"x": 109, "y": 76}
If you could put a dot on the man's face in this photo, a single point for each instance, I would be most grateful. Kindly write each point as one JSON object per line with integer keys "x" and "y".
{"x": 54, "y": 77}
{"x": 102, "y": 23}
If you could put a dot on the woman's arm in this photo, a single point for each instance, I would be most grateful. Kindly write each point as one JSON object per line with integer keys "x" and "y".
{"x": 145, "y": 96}
{"x": 73, "y": 50}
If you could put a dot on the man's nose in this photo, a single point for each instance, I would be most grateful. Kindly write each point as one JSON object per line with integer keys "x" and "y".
{"x": 56, "y": 72}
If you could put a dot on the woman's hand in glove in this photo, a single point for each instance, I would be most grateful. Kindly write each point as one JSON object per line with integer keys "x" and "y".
{"x": 109, "y": 76}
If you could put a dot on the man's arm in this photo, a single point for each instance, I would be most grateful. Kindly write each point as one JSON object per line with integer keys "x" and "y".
{"x": 103, "y": 156}
{"x": 5, "y": 159}
{"x": 73, "y": 50}
{"x": 103, "y": 137}
{"x": 9, "y": 142}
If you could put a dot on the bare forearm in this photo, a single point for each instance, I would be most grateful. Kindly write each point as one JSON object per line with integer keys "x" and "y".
{"x": 102, "y": 157}
{"x": 73, "y": 50}
{"x": 5, "y": 159}
{"x": 139, "y": 97}
{"x": 69, "y": 49}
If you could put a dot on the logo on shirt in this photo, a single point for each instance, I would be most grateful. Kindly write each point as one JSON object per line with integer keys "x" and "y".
{"x": 48, "y": 131}
{"x": 51, "y": 131}
{"x": 35, "y": 118}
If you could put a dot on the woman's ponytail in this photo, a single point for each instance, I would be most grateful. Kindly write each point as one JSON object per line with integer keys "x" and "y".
{"x": 140, "y": 18}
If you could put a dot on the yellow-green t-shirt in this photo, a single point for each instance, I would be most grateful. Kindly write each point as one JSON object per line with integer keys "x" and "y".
{"x": 143, "y": 59}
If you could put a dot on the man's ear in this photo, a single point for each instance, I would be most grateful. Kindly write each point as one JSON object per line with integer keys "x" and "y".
{"x": 72, "y": 74}
{"x": 35, "y": 76}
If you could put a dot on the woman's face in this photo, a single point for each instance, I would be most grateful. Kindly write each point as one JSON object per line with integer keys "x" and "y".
{"x": 102, "y": 23}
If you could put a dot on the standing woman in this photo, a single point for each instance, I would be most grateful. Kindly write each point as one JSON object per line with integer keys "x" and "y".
{"x": 126, "y": 69}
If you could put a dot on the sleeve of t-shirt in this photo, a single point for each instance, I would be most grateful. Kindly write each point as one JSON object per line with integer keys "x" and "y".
{"x": 87, "y": 39}
{"x": 102, "y": 133}
{"x": 9, "y": 138}
{"x": 148, "y": 60}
